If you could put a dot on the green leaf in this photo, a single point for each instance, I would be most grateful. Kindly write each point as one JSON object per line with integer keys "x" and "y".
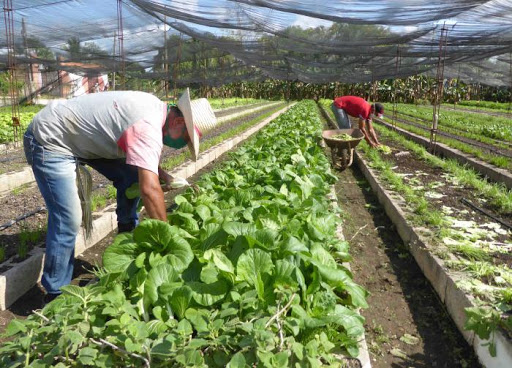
{"x": 133, "y": 191}
{"x": 163, "y": 349}
{"x": 155, "y": 232}
{"x": 14, "y": 327}
{"x": 209, "y": 274}
{"x": 76, "y": 291}
{"x": 237, "y": 361}
{"x": 122, "y": 252}
{"x": 220, "y": 260}
{"x": 163, "y": 273}
{"x": 180, "y": 253}
{"x": 156, "y": 327}
{"x": 322, "y": 256}
{"x": 208, "y": 294}
{"x": 409, "y": 339}
{"x": 204, "y": 212}
{"x": 180, "y": 301}
{"x": 238, "y": 228}
{"x": 139, "y": 261}
{"x": 250, "y": 267}
{"x": 198, "y": 318}
{"x": 283, "y": 273}
{"x": 292, "y": 245}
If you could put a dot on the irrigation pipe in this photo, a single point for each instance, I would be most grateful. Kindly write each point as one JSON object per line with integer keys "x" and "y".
{"x": 481, "y": 210}
{"x": 22, "y": 217}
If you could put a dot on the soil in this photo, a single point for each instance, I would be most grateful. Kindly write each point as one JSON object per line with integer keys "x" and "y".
{"x": 401, "y": 299}
{"x": 418, "y": 172}
{"x": 27, "y": 198}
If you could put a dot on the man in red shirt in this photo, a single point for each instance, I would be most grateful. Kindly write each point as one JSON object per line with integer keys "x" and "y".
{"x": 357, "y": 107}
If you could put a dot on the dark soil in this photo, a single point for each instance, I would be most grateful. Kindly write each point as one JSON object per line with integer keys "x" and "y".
{"x": 27, "y": 198}
{"x": 401, "y": 299}
{"x": 432, "y": 177}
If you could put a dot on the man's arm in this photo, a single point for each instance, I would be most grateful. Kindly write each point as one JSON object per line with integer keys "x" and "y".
{"x": 152, "y": 194}
{"x": 373, "y": 135}
{"x": 364, "y": 129}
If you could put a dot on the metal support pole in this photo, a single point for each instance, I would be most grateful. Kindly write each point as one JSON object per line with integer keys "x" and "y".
{"x": 397, "y": 70}
{"x": 11, "y": 66}
{"x": 166, "y": 60}
{"x": 120, "y": 35}
{"x": 176, "y": 70}
{"x": 438, "y": 97}
{"x": 115, "y": 63}
{"x": 510, "y": 75}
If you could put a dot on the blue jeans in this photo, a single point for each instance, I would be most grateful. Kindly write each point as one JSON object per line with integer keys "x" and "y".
{"x": 341, "y": 117}
{"x": 55, "y": 174}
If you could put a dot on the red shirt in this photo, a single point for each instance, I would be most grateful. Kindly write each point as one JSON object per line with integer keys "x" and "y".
{"x": 354, "y": 106}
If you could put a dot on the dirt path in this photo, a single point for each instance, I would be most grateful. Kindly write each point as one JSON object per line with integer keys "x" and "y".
{"x": 401, "y": 300}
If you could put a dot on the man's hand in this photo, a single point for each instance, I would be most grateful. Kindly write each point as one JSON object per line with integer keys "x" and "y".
{"x": 165, "y": 179}
{"x": 152, "y": 194}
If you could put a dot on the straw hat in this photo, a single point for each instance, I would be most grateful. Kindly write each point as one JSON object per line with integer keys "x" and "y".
{"x": 199, "y": 118}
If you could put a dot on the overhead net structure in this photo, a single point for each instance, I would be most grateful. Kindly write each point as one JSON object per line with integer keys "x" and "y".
{"x": 215, "y": 42}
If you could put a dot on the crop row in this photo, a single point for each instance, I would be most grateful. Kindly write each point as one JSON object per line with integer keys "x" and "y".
{"x": 246, "y": 270}
{"x": 499, "y": 128}
{"x": 487, "y": 105}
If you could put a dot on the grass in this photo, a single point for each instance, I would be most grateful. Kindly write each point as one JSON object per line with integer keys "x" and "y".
{"x": 21, "y": 189}
{"x": 415, "y": 199}
{"x": 27, "y": 237}
{"x": 498, "y": 195}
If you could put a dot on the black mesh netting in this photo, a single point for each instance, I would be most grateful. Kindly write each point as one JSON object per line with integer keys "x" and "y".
{"x": 214, "y": 42}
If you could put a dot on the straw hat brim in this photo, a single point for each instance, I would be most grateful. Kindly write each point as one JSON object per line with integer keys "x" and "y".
{"x": 186, "y": 109}
{"x": 199, "y": 118}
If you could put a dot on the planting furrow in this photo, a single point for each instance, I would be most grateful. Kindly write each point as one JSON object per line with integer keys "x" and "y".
{"x": 487, "y": 170}
{"x": 464, "y": 253}
{"x": 263, "y": 280}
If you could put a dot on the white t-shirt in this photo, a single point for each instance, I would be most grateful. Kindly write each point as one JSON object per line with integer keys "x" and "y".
{"x": 105, "y": 125}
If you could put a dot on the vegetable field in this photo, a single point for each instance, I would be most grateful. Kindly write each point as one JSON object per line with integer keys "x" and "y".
{"x": 247, "y": 269}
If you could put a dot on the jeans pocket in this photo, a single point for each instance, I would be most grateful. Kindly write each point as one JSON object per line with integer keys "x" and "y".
{"x": 28, "y": 147}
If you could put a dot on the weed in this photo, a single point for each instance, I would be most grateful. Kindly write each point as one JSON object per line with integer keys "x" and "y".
{"x": 98, "y": 201}
{"x": 471, "y": 252}
{"x": 2, "y": 253}
{"x": 22, "y": 188}
{"x": 111, "y": 192}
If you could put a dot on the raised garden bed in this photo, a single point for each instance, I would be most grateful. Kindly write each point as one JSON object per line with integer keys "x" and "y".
{"x": 464, "y": 253}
